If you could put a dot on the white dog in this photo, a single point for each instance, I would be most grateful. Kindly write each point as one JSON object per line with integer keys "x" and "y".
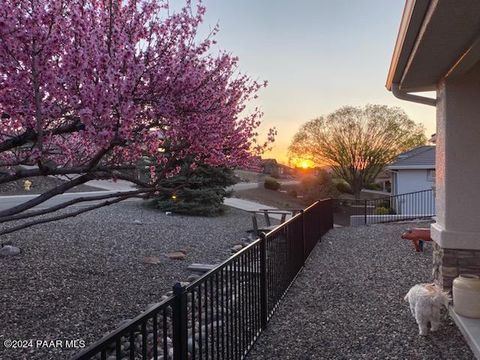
{"x": 426, "y": 301}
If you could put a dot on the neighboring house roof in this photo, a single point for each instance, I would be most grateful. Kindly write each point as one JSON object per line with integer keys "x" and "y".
{"x": 422, "y": 157}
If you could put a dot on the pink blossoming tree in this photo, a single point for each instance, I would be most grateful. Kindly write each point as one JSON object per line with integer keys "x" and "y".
{"x": 88, "y": 87}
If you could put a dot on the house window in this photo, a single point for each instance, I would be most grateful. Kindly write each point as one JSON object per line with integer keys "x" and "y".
{"x": 431, "y": 175}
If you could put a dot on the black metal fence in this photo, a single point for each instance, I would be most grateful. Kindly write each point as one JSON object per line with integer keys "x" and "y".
{"x": 414, "y": 205}
{"x": 220, "y": 315}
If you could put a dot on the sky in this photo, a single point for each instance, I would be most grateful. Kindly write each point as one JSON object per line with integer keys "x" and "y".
{"x": 317, "y": 56}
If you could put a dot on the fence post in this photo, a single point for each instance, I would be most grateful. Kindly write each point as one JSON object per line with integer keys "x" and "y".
{"x": 365, "y": 211}
{"x": 179, "y": 318}
{"x": 263, "y": 281}
{"x": 329, "y": 205}
{"x": 304, "y": 238}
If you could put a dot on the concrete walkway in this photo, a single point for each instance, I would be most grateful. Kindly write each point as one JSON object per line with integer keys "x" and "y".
{"x": 119, "y": 185}
{"x": 109, "y": 187}
{"x": 247, "y": 205}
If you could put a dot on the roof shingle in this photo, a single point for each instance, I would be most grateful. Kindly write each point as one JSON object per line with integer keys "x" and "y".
{"x": 422, "y": 156}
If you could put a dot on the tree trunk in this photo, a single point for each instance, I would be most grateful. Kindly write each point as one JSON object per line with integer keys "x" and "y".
{"x": 357, "y": 186}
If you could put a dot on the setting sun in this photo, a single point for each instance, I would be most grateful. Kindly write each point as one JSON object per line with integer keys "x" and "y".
{"x": 303, "y": 163}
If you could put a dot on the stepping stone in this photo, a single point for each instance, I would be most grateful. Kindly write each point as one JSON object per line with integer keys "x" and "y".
{"x": 193, "y": 277}
{"x": 237, "y": 248}
{"x": 152, "y": 260}
{"x": 201, "y": 268}
{"x": 9, "y": 250}
{"x": 176, "y": 255}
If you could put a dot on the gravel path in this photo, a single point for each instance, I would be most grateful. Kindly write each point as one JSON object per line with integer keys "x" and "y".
{"x": 78, "y": 278}
{"x": 348, "y": 303}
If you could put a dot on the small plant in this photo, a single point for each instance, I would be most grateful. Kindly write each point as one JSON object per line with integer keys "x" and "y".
{"x": 271, "y": 184}
{"x": 383, "y": 203}
{"x": 343, "y": 187}
{"x": 373, "y": 186}
{"x": 380, "y": 210}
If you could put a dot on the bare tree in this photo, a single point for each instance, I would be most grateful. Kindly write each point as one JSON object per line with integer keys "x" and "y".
{"x": 357, "y": 143}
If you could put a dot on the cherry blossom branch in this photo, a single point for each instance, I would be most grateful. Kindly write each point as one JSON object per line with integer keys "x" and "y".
{"x": 31, "y": 173}
{"x": 65, "y": 216}
{"x": 66, "y": 204}
{"x": 46, "y": 196}
{"x": 31, "y": 135}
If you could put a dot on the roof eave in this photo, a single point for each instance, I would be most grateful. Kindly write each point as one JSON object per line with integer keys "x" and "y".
{"x": 411, "y": 167}
{"x": 410, "y": 24}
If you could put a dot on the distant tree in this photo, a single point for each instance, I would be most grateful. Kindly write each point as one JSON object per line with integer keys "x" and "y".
{"x": 317, "y": 187}
{"x": 357, "y": 142}
{"x": 87, "y": 88}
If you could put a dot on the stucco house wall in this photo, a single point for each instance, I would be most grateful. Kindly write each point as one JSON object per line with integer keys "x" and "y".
{"x": 413, "y": 181}
{"x": 413, "y": 172}
{"x": 408, "y": 181}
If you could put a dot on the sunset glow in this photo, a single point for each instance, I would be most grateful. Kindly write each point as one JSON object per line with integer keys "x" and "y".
{"x": 319, "y": 72}
{"x": 303, "y": 163}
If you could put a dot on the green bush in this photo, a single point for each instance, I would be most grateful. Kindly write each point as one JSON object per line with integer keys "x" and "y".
{"x": 384, "y": 203}
{"x": 343, "y": 187}
{"x": 381, "y": 210}
{"x": 202, "y": 194}
{"x": 373, "y": 186}
{"x": 271, "y": 184}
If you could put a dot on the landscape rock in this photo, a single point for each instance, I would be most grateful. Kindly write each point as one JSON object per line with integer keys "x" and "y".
{"x": 193, "y": 277}
{"x": 237, "y": 248}
{"x": 252, "y": 237}
{"x": 123, "y": 322}
{"x": 152, "y": 260}
{"x": 202, "y": 268}
{"x": 137, "y": 222}
{"x": 149, "y": 306}
{"x": 176, "y": 255}
{"x": 9, "y": 250}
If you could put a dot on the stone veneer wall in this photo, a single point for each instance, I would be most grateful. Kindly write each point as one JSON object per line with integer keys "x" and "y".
{"x": 449, "y": 263}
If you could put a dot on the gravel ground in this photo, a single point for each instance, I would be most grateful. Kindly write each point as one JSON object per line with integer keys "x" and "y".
{"x": 348, "y": 303}
{"x": 78, "y": 278}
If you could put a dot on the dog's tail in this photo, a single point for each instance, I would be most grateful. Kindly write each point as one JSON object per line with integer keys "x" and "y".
{"x": 407, "y": 295}
{"x": 442, "y": 297}
{"x": 445, "y": 298}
